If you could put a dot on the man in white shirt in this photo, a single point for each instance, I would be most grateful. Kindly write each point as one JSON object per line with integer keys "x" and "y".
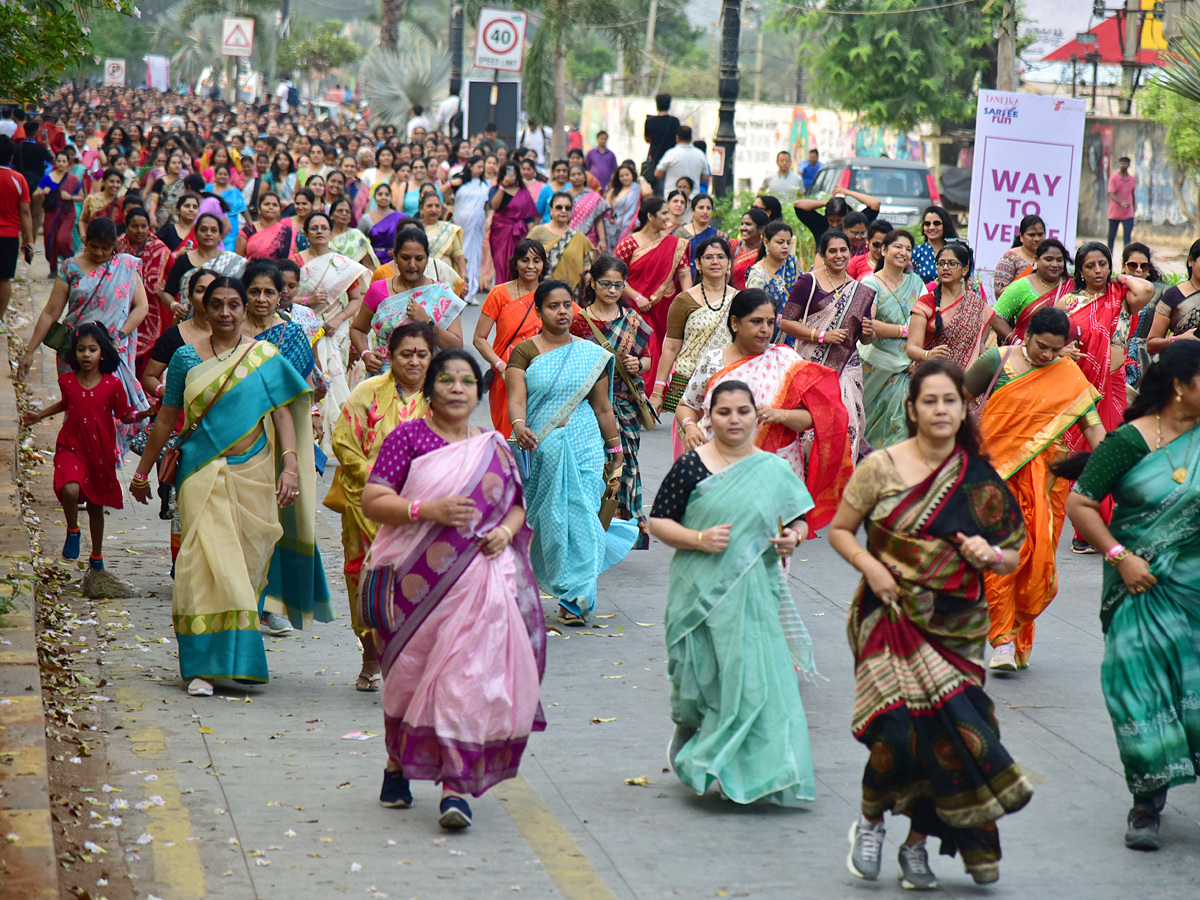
{"x": 282, "y": 93}
{"x": 418, "y": 120}
{"x": 784, "y": 184}
{"x": 535, "y": 139}
{"x": 682, "y": 160}
{"x": 8, "y": 127}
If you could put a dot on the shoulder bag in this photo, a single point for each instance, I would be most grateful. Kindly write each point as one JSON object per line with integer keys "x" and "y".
{"x": 170, "y": 456}
{"x": 490, "y": 375}
{"x": 58, "y": 336}
{"x": 647, "y": 418}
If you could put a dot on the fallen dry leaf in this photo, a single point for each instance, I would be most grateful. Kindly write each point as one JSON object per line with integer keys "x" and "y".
{"x": 601, "y": 721}
{"x": 640, "y": 781}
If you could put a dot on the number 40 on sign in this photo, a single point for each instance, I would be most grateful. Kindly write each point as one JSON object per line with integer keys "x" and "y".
{"x": 500, "y": 40}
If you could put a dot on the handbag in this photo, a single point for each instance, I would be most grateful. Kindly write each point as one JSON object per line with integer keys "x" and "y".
{"x": 608, "y": 503}
{"x": 170, "y": 457}
{"x": 490, "y": 375}
{"x": 647, "y": 417}
{"x": 58, "y": 335}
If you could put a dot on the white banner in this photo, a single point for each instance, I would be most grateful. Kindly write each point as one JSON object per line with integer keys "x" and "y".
{"x": 1028, "y": 152}
{"x": 158, "y": 73}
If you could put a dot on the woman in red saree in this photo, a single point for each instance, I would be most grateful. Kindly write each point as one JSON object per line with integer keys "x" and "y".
{"x": 745, "y": 251}
{"x": 274, "y": 238}
{"x": 1100, "y": 330}
{"x": 140, "y": 242}
{"x": 659, "y": 268}
{"x": 800, "y": 412}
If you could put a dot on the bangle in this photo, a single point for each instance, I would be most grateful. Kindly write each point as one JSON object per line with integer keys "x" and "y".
{"x": 999, "y": 554}
{"x": 686, "y": 422}
{"x": 414, "y": 510}
{"x": 612, "y": 441}
{"x": 1115, "y": 559}
{"x": 507, "y": 531}
{"x": 927, "y": 354}
{"x": 700, "y": 540}
{"x": 286, "y": 452}
{"x": 139, "y": 479}
{"x": 821, "y": 338}
{"x": 515, "y": 421}
{"x": 1114, "y": 551}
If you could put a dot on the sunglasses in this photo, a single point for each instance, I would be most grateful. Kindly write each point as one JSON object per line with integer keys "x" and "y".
{"x": 1137, "y": 265}
{"x": 875, "y": 245}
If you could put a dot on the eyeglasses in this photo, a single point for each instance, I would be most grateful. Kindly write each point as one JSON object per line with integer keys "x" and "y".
{"x": 611, "y": 285}
{"x": 709, "y": 257}
{"x": 948, "y": 264}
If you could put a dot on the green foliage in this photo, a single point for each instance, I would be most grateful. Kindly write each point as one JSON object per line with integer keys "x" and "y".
{"x": 900, "y": 70}
{"x": 113, "y": 38}
{"x": 1180, "y": 117}
{"x": 1181, "y": 70}
{"x": 727, "y": 218}
{"x": 39, "y": 41}
{"x": 588, "y": 62}
{"x": 417, "y": 74}
{"x": 317, "y": 48}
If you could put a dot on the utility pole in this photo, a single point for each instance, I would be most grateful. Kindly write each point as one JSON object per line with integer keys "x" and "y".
{"x": 1133, "y": 40}
{"x": 758, "y": 59}
{"x": 726, "y": 138}
{"x": 456, "y": 47}
{"x": 648, "y": 47}
{"x": 1006, "y": 47}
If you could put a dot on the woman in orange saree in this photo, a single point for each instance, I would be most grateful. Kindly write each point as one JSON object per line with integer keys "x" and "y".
{"x": 1100, "y": 330}
{"x": 659, "y": 268}
{"x": 1039, "y": 393}
{"x": 509, "y": 307}
{"x": 800, "y": 412}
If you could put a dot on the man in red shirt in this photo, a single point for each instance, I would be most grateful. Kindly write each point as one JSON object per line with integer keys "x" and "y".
{"x": 15, "y": 222}
{"x": 1121, "y": 189}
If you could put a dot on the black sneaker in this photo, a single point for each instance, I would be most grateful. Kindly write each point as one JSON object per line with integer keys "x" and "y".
{"x": 1142, "y": 830}
{"x": 1081, "y": 547}
{"x": 456, "y": 813}
{"x": 395, "y": 793}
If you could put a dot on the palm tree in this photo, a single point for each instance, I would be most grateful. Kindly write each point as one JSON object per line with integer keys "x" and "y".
{"x": 191, "y": 44}
{"x": 261, "y": 11}
{"x": 417, "y": 73}
{"x": 1181, "y": 62}
{"x": 391, "y": 14}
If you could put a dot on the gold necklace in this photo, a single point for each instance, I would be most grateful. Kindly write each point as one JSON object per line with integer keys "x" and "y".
{"x": 1179, "y": 474}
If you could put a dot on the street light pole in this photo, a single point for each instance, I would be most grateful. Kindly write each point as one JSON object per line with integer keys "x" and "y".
{"x": 456, "y": 47}
{"x": 727, "y": 90}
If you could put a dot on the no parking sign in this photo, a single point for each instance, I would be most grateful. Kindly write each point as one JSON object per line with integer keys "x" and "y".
{"x": 114, "y": 73}
{"x": 500, "y": 40}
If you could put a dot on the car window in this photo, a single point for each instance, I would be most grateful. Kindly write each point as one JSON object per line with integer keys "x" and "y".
{"x": 886, "y": 181}
{"x": 824, "y": 181}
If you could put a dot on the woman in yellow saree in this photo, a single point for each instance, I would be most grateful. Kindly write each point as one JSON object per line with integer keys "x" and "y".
{"x": 246, "y": 411}
{"x": 569, "y": 253}
{"x": 1039, "y": 393}
{"x": 373, "y": 411}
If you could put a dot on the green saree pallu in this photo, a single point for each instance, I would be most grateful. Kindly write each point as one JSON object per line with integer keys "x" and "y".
{"x": 735, "y": 694}
{"x": 1151, "y": 670}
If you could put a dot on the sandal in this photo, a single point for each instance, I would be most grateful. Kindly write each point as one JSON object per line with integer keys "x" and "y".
{"x": 566, "y": 617}
{"x": 368, "y": 684}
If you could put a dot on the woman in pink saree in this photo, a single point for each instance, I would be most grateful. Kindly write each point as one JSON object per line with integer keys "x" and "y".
{"x": 448, "y": 588}
{"x": 512, "y": 210}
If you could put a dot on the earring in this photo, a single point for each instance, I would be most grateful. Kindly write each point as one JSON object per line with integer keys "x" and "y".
{"x": 1178, "y": 397}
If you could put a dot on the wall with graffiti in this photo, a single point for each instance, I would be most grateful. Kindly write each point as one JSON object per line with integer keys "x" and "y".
{"x": 1164, "y": 199}
{"x": 763, "y": 129}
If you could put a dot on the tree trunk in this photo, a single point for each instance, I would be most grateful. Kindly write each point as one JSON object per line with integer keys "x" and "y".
{"x": 391, "y": 13}
{"x": 558, "y": 138}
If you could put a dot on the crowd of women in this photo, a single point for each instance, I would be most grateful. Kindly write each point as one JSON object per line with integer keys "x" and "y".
{"x": 269, "y": 302}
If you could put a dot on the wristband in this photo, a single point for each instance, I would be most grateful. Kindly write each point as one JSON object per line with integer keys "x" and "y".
{"x": 1114, "y": 551}
{"x": 686, "y": 422}
{"x": 999, "y": 554}
{"x": 657, "y": 383}
{"x": 821, "y": 337}
{"x": 1171, "y": 339}
{"x": 613, "y": 451}
{"x": 904, "y": 331}
{"x": 415, "y": 510}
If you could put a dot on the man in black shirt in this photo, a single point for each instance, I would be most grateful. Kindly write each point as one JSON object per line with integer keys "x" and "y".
{"x": 31, "y": 160}
{"x": 660, "y": 132}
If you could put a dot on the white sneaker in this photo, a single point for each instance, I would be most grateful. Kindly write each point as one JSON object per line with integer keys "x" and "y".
{"x": 200, "y": 687}
{"x": 1004, "y": 657}
{"x": 275, "y": 624}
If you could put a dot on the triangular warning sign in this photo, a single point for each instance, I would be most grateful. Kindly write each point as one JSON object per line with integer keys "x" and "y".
{"x": 237, "y": 39}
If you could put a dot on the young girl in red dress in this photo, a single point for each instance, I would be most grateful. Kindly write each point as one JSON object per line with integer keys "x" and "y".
{"x": 85, "y": 454}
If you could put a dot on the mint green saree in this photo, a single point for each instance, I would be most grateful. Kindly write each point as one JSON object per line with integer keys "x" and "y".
{"x": 735, "y": 642}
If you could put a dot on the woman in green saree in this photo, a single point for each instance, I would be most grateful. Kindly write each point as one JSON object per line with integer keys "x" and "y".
{"x": 735, "y": 698}
{"x": 1150, "y": 604}
{"x": 937, "y": 517}
{"x": 885, "y": 364}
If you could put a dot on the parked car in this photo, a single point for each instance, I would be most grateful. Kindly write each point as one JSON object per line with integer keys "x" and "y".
{"x": 903, "y": 187}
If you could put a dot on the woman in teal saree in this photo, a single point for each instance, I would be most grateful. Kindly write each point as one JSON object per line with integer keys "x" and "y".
{"x": 574, "y": 449}
{"x": 1150, "y": 605}
{"x": 734, "y": 638}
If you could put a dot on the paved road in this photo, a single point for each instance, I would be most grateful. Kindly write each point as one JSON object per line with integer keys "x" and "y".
{"x": 264, "y": 798}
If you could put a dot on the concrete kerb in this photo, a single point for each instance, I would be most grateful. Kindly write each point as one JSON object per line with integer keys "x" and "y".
{"x": 28, "y": 867}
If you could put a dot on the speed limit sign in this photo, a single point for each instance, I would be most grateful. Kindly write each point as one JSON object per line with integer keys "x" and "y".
{"x": 500, "y": 40}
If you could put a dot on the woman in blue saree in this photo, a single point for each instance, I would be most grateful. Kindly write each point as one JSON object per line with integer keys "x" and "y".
{"x": 734, "y": 638}
{"x": 1150, "y": 604}
{"x": 233, "y": 470}
{"x": 574, "y": 447}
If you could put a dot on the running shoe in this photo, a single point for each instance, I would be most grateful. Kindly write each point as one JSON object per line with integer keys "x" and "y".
{"x": 395, "y": 793}
{"x": 1081, "y": 547}
{"x": 71, "y": 545}
{"x": 275, "y": 624}
{"x": 1004, "y": 658}
{"x": 456, "y": 813}
{"x": 1141, "y": 832}
{"x": 866, "y": 844}
{"x": 914, "y": 868}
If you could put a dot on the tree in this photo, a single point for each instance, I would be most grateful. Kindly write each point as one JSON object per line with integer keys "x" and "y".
{"x": 391, "y": 14}
{"x": 318, "y": 49}
{"x": 901, "y": 65}
{"x": 261, "y": 11}
{"x": 1180, "y": 117}
{"x": 113, "y": 38}
{"x": 418, "y": 74}
{"x": 39, "y": 41}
